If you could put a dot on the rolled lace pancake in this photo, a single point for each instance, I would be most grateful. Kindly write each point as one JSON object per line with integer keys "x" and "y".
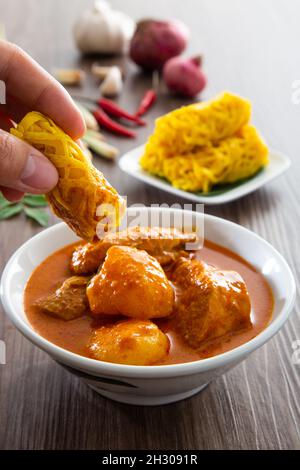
{"x": 231, "y": 159}
{"x": 83, "y": 198}
{"x": 198, "y": 146}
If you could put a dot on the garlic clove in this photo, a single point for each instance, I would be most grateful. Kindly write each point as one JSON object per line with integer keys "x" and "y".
{"x": 112, "y": 85}
{"x": 100, "y": 71}
{"x": 69, "y": 76}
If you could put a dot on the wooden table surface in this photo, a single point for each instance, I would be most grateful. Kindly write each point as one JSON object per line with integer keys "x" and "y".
{"x": 251, "y": 48}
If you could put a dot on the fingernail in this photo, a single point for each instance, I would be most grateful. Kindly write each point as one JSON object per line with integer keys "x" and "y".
{"x": 38, "y": 174}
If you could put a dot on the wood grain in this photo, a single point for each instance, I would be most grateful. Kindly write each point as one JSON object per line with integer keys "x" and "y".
{"x": 249, "y": 48}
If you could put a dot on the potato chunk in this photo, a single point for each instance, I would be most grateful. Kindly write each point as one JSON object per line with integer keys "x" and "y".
{"x": 165, "y": 244}
{"x": 132, "y": 342}
{"x": 213, "y": 303}
{"x": 130, "y": 283}
{"x": 69, "y": 301}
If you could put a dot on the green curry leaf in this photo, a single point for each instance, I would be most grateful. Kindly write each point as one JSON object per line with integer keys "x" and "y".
{"x": 39, "y": 215}
{"x": 10, "y": 210}
{"x": 35, "y": 200}
{"x": 31, "y": 204}
{"x": 3, "y": 202}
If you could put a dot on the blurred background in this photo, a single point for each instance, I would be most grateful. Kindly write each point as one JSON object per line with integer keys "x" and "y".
{"x": 248, "y": 47}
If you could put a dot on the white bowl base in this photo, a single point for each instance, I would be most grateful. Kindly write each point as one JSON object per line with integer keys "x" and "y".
{"x": 130, "y": 399}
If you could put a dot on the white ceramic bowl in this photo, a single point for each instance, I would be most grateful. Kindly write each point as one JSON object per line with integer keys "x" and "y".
{"x": 154, "y": 385}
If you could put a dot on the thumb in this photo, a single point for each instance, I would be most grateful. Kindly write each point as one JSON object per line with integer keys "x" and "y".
{"x": 24, "y": 168}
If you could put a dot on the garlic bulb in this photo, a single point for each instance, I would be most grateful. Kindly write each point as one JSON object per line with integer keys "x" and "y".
{"x": 112, "y": 84}
{"x": 103, "y": 30}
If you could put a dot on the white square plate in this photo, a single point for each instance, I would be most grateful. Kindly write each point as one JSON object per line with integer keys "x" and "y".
{"x": 279, "y": 163}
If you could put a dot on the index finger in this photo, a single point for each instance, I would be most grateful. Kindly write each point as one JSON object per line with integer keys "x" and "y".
{"x": 26, "y": 80}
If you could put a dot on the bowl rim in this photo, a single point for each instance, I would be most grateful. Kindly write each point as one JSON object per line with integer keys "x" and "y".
{"x": 95, "y": 367}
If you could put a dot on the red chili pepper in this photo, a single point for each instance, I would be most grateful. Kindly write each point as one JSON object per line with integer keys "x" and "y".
{"x": 148, "y": 100}
{"x": 6, "y": 119}
{"x": 112, "y": 108}
{"x": 113, "y": 126}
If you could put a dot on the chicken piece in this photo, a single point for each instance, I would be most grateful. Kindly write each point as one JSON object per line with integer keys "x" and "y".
{"x": 212, "y": 302}
{"x": 133, "y": 342}
{"x": 165, "y": 244}
{"x": 82, "y": 197}
{"x": 69, "y": 301}
{"x": 130, "y": 283}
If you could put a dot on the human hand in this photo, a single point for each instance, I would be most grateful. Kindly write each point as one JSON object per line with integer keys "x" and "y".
{"x": 29, "y": 87}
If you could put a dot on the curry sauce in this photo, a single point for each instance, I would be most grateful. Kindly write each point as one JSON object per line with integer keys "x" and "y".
{"x": 74, "y": 335}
